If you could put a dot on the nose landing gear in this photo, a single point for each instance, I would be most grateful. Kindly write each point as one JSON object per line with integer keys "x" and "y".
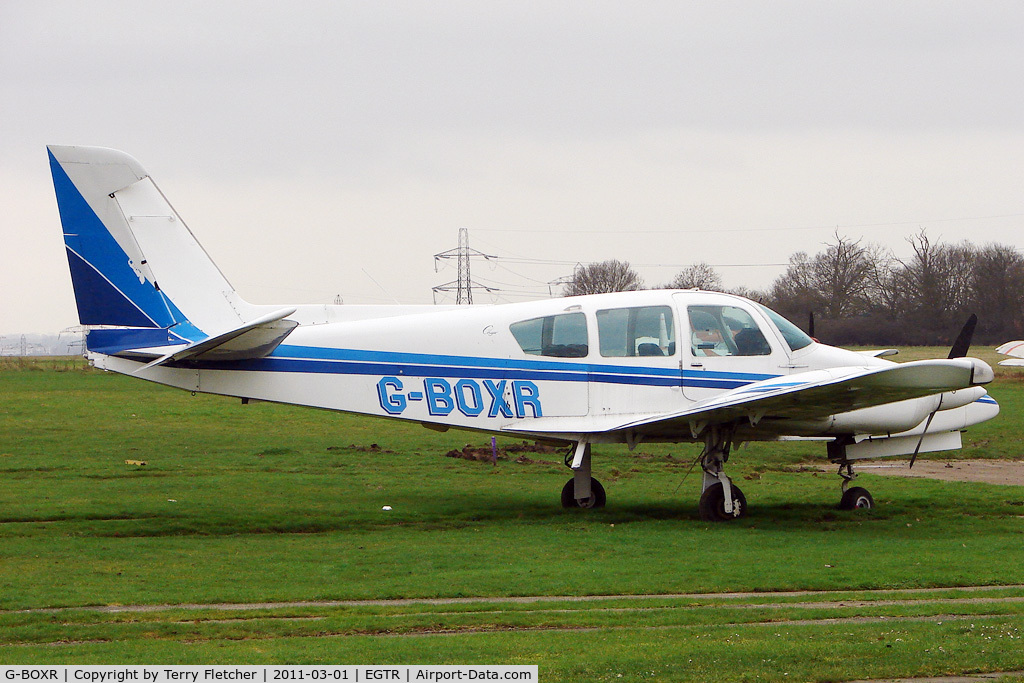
{"x": 854, "y": 497}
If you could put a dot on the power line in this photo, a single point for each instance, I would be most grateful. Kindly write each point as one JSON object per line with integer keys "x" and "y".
{"x": 465, "y": 284}
{"x": 527, "y": 260}
{"x": 530, "y": 261}
{"x": 547, "y": 288}
{"x": 676, "y": 231}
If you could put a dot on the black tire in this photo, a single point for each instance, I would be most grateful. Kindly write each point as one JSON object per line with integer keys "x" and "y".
{"x": 856, "y": 498}
{"x": 712, "y": 504}
{"x": 596, "y": 499}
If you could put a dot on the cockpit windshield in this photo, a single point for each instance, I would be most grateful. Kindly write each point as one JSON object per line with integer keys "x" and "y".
{"x": 794, "y": 336}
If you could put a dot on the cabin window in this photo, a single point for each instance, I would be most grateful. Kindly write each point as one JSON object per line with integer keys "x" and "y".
{"x": 561, "y": 336}
{"x": 639, "y": 331}
{"x": 725, "y": 331}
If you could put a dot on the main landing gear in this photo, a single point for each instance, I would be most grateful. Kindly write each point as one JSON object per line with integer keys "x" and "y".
{"x": 582, "y": 491}
{"x": 854, "y": 497}
{"x": 720, "y": 500}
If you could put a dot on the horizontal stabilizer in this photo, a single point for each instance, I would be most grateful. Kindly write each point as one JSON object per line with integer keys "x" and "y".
{"x": 252, "y": 340}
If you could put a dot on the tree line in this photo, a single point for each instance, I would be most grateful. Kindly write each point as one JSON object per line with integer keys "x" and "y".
{"x": 863, "y": 294}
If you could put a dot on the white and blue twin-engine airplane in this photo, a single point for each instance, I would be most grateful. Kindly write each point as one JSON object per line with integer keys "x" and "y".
{"x": 656, "y": 366}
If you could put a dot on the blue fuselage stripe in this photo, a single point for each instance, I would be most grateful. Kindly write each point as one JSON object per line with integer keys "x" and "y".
{"x": 314, "y": 360}
{"x": 404, "y": 358}
{"x": 382, "y": 363}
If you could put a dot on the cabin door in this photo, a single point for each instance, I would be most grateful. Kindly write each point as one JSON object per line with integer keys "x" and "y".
{"x": 724, "y": 345}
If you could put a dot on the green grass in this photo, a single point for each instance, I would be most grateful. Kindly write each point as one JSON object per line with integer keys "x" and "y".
{"x": 259, "y": 503}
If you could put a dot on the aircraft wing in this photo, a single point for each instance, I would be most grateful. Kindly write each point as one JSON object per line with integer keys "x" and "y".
{"x": 879, "y": 353}
{"x": 1013, "y": 348}
{"x": 803, "y": 396}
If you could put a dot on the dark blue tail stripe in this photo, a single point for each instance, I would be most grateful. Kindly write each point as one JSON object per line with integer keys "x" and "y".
{"x": 99, "y": 302}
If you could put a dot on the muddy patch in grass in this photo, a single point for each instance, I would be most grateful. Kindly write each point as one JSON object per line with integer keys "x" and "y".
{"x": 519, "y": 453}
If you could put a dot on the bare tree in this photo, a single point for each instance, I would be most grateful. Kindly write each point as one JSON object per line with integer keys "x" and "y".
{"x": 834, "y": 282}
{"x": 936, "y": 282}
{"x": 606, "y": 276}
{"x": 884, "y": 292}
{"x": 760, "y": 296}
{"x": 792, "y": 293}
{"x": 997, "y": 292}
{"x": 863, "y": 294}
{"x": 698, "y": 276}
{"x": 842, "y": 277}
{"x": 795, "y": 288}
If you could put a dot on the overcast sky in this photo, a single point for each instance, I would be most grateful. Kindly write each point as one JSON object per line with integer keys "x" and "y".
{"x": 323, "y": 149}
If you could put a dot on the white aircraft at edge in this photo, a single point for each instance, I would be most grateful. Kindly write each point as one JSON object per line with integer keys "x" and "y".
{"x": 1014, "y": 349}
{"x": 659, "y": 365}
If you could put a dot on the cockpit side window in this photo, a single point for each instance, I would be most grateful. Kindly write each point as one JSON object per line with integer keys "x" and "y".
{"x": 725, "y": 331}
{"x": 794, "y": 336}
{"x": 637, "y": 331}
{"x": 560, "y": 336}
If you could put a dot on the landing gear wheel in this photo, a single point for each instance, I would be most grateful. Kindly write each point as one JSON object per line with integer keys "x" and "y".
{"x": 712, "y": 504}
{"x": 596, "y": 499}
{"x": 856, "y": 498}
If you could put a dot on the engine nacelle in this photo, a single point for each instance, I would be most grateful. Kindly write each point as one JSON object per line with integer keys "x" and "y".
{"x": 960, "y": 397}
{"x": 886, "y": 419}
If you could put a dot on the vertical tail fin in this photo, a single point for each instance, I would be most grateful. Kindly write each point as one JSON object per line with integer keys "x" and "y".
{"x": 133, "y": 262}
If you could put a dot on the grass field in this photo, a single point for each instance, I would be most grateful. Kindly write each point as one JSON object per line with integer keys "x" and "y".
{"x": 256, "y": 534}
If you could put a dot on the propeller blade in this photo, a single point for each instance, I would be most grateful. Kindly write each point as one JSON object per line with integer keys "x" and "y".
{"x": 920, "y": 441}
{"x": 810, "y": 324}
{"x": 963, "y": 340}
